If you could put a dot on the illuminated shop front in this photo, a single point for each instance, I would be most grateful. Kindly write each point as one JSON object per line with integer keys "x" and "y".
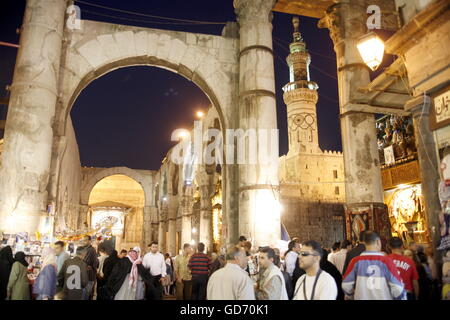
{"x": 110, "y": 213}
{"x": 400, "y": 174}
{"x": 407, "y": 213}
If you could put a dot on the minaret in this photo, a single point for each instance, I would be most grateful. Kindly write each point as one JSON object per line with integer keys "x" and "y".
{"x": 300, "y": 96}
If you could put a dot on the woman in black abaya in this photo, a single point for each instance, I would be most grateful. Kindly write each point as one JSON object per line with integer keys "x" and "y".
{"x": 6, "y": 262}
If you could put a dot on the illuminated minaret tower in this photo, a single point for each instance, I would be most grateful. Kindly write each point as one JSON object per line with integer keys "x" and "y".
{"x": 300, "y": 96}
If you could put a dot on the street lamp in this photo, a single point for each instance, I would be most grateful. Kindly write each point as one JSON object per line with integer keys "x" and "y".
{"x": 371, "y": 49}
{"x": 182, "y": 134}
{"x": 200, "y": 114}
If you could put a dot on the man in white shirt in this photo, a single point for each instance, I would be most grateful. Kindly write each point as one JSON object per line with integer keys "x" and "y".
{"x": 291, "y": 257}
{"x": 231, "y": 282}
{"x": 338, "y": 259}
{"x": 155, "y": 261}
{"x": 61, "y": 254}
{"x": 316, "y": 284}
{"x": 334, "y": 249}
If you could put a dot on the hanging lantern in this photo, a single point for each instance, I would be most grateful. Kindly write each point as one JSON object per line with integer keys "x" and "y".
{"x": 371, "y": 49}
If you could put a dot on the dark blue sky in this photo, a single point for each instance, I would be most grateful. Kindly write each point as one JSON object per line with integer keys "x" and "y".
{"x": 125, "y": 118}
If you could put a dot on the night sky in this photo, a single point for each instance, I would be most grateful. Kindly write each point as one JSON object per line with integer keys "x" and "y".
{"x": 125, "y": 118}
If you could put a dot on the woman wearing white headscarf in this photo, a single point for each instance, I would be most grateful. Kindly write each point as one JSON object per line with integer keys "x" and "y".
{"x": 45, "y": 284}
{"x": 140, "y": 285}
{"x": 129, "y": 287}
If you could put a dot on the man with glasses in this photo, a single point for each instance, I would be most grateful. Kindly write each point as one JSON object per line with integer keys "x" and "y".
{"x": 316, "y": 284}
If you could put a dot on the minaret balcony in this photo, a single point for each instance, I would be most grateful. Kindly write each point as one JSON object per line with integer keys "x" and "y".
{"x": 301, "y": 84}
{"x": 299, "y": 92}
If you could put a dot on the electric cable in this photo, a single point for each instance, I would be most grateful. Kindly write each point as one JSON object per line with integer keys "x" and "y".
{"x": 147, "y": 15}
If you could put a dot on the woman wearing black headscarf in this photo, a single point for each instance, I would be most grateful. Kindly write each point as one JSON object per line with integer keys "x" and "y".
{"x": 18, "y": 285}
{"x": 108, "y": 266}
{"x": 6, "y": 262}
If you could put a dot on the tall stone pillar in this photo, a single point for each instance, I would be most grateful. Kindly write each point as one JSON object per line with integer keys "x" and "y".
{"x": 172, "y": 225}
{"x": 429, "y": 164}
{"x": 205, "y": 179}
{"x": 83, "y": 216}
{"x": 205, "y": 231}
{"x": 147, "y": 228}
{"x": 26, "y": 156}
{"x": 186, "y": 215}
{"x": 259, "y": 215}
{"x": 162, "y": 235}
{"x": 346, "y": 21}
{"x": 172, "y": 240}
{"x": 154, "y": 233}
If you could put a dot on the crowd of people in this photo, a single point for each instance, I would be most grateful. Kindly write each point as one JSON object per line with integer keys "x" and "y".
{"x": 306, "y": 271}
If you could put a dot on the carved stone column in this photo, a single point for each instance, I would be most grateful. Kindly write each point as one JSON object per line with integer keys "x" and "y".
{"x": 82, "y": 217}
{"x": 162, "y": 228}
{"x": 259, "y": 217}
{"x": 162, "y": 235}
{"x": 172, "y": 224}
{"x": 346, "y": 21}
{"x": 429, "y": 164}
{"x": 205, "y": 231}
{"x": 206, "y": 182}
{"x": 28, "y": 137}
{"x": 186, "y": 215}
{"x": 147, "y": 228}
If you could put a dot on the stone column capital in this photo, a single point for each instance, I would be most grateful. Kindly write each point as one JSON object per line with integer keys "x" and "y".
{"x": 332, "y": 20}
{"x": 253, "y": 10}
{"x": 345, "y": 20}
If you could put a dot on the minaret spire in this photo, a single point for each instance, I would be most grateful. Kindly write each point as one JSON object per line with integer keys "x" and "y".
{"x": 300, "y": 96}
{"x": 297, "y": 35}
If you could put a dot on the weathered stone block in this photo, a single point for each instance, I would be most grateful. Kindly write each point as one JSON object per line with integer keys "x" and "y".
{"x": 192, "y": 57}
{"x": 109, "y": 45}
{"x": 177, "y": 51}
{"x": 141, "y": 42}
{"x": 164, "y": 46}
{"x": 125, "y": 42}
{"x": 92, "y": 51}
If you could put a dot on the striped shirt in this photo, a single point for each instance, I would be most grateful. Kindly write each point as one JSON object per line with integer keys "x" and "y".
{"x": 373, "y": 276}
{"x": 199, "y": 264}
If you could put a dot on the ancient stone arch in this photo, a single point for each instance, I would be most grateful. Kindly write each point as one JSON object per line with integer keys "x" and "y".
{"x": 55, "y": 62}
{"x": 90, "y": 182}
{"x": 208, "y": 61}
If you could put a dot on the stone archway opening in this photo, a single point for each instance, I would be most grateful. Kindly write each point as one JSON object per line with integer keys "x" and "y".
{"x": 132, "y": 126}
{"x": 120, "y": 200}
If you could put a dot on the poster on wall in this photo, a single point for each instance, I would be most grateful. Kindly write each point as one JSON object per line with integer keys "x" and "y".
{"x": 358, "y": 222}
{"x": 389, "y": 157}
